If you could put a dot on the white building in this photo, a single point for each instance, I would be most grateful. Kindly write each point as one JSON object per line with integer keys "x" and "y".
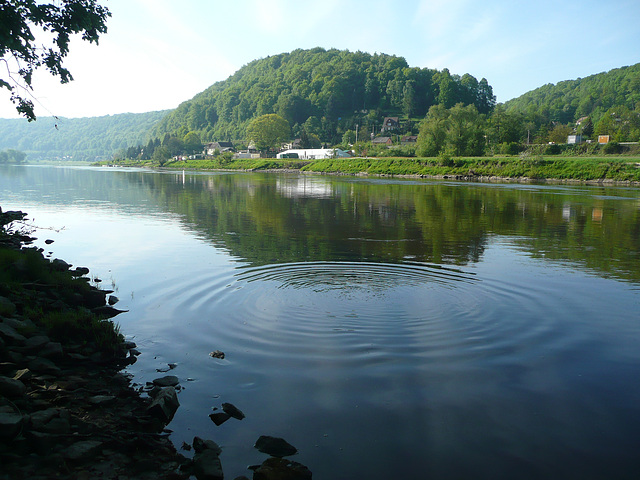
{"x": 313, "y": 153}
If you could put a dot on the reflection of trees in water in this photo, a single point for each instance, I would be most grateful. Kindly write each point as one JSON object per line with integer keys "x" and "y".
{"x": 270, "y": 219}
{"x": 273, "y": 218}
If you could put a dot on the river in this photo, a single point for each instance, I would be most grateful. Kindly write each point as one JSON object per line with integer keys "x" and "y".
{"x": 387, "y": 328}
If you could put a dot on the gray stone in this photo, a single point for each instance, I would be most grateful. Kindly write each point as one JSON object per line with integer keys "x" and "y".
{"x": 10, "y": 425}
{"x": 168, "y": 381}
{"x": 9, "y": 333}
{"x": 51, "y": 420}
{"x": 43, "y": 365}
{"x": 51, "y": 350}
{"x": 217, "y": 354}
{"x": 207, "y": 466}
{"x": 113, "y": 300}
{"x": 36, "y": 342}
{"x": 200, "y": 445}
{"x": 165, "y": 404}
{"x": 81, "y": 449}
{"x": 233, "y": 411}
{"x": 280, "y": 469}
{"x": 102, "y": 400}
{"x": 11, "y": 388}
{"x": 219, "y": 418}
{"x": 24, "y": 374}
{"x": 60, "y": 265}
{"x": 274, "y": 446}
{"x": 7, "y": 307}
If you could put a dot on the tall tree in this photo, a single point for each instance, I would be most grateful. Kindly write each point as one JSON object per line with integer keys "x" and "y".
{"x": 18, "y": 47}
{"x": 268, "y": 131}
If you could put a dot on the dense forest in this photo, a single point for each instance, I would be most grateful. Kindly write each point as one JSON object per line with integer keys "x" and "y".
{"x": 608, "y": 103}
{"x": 323, "y": 93}
{"x": 79, "y": 139}
{"x": 335, "y": 97}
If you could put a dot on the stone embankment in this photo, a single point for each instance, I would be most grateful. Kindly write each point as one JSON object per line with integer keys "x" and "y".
{"x": 67, "y": 411}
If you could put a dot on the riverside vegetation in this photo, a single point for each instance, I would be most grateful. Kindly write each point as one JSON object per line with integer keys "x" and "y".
{"x": 66, "y": 409}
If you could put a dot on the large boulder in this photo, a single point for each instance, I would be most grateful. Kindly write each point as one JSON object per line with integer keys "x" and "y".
{"x": 274, "y": 446}
{"x": 164, "y": 405}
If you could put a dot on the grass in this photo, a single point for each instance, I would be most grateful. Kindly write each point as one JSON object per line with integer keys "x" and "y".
{"x": 48, "y": 297}
{"x": 565, "y": 167}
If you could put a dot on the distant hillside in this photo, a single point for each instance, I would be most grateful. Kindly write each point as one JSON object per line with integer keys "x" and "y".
{"x": 323, "y": 91}
{"x": 591, "y": 96}
{"x": 84, "y": 139}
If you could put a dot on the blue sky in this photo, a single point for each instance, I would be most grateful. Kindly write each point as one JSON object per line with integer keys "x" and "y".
{"x": 159, "y": 53}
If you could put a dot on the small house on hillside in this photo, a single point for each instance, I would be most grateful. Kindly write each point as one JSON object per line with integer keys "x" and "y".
{"x": 603, "y": 139}
{"x": 390, "y": 123}
{"x": 408, "y": 139}
{"x": 574, "y": 139}
{"x": 210, "y": 148}
{"x": 382, "y": 141}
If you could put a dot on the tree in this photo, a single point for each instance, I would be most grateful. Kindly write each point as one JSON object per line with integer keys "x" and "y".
{"x": 433, "y": 132}
{"x": 18, "y": 47}
{"x": 268, "y": 131}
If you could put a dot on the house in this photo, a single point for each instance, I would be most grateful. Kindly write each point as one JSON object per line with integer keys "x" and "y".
{"x": 408, "y": 139}
{"x": 293, "y": 145}
{"x": 382, "y": 141}
{"x": 313, "y": 153}
{"x": 603, "y": 139}
{"x": 210, "y": 148}
{"x": 574, "y": 139}
{"x": 390, "y": 123}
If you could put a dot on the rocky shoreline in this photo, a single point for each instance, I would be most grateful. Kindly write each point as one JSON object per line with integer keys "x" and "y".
{"x": 67, "y": 411}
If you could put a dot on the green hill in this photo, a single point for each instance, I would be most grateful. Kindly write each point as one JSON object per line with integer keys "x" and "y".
{"x": 324, "y": 92}
{"x": 79, "y": 139}
{"x": 616, "y": 91}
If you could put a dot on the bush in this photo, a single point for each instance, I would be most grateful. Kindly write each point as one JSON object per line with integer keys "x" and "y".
{"x": 612, "y": 148}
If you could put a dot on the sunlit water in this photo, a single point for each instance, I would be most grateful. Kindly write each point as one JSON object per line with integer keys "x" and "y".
{"x": 386, "y": 328}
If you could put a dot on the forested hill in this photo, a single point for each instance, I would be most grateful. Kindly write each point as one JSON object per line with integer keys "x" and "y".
{"x": 617, "y": 90}
{"x": 79, "y": 139}
{"x": 323, "y": 91}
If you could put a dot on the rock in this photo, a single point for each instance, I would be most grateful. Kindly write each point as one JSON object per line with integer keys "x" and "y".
{"x": 100, "y": 400}
{"x": 219, "y": 418}
{"x": 217, "y": 354}
{"x": 9, "y": 333}
{"x": 51, "y": 420}
{"x": 11, "y": 388}
{"x": 207, "y": 466}
{"x": 24, "y": 374}
{"x": 48, "y": 241}
{"x": 113, "y": 300}
{"x": 43, "y": 365}
{"x": 281, "y": 469}
{"x": 274, "y": 446}
{"x": 79, "y": 271}
{"x": 60, "y": 265}
{"x": 164, "y": 405}
{"x": 36, "y": 342}
{"x": 128, "y": 345}
{"x": 51, "y": 349}
{"x": 7, "y": 307}
{"x": 10, "y": 424}
{"x": 200, "y": 445}
{"x": 167, "y": 381}
{"x": 82, "y": 449}
{"x": 233, "y": 411}
{"x": 106, "y": 311}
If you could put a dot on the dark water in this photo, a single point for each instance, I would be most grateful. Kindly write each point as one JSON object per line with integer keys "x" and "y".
{"x": 386, "y": 328}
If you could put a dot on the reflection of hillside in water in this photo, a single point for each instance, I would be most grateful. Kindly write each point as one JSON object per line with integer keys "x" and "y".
{"x": 270, "y": 219}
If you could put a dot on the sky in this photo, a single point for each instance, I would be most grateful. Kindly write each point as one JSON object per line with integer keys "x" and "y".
{"x": 160, "y": 53}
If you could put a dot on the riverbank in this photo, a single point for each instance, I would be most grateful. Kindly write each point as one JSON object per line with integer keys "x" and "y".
{"x": 67, "y": 410}
{"x": 617, "y": 169}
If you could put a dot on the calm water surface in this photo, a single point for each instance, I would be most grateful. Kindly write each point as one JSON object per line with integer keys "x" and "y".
{"x": 386, "y": 328}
